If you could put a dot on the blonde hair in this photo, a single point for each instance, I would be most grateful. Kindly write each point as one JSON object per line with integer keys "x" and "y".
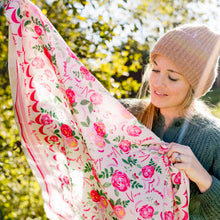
{"x": 151, "y": 112}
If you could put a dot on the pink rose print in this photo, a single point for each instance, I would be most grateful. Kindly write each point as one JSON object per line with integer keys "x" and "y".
{"x": 38, "y": 63}
{"x": 95, "y": 196}
{"x": 125, "y": 146}
{"x": 96, "y": 98}
{"x": 71, "y": 142}
{"x": 88, "y": 76}
{"x": 146, "y": 212}
{"x": 120, "y": 181}
{"x": 38, "y": 30}
{"x": 100, "y": 128}
{"x": 168, "y": 215}
{"x": 54, "y": 138}
{"x": 71, "y": 96}
{"x": 99, "y": 141}
{"x": 119, "y": 211}
{"x": 46, "y": 119}
{"x": 134, "y": 130}
{"x": 148, "y": 171}
{"x": 66, "y": 130}
{"x": 102, "y": 204}
{"x": 177, "y": 178}
{"x": 66, "y": 180}
{"x": 48, "y": 73}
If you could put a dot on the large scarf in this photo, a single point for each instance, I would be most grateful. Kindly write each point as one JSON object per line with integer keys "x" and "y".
{"x": 91, "y": 157}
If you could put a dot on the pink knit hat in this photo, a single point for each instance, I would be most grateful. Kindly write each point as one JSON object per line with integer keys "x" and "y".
{"x": 190, "y": 48}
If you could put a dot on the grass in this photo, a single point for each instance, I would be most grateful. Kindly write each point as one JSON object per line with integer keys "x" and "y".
{"x": 212, "y": 98}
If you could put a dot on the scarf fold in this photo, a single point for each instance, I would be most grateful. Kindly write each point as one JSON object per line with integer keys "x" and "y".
{"x": 91, "y": 157}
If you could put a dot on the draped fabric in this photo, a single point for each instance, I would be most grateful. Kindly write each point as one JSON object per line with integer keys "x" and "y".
{"x": 91, "y": 157}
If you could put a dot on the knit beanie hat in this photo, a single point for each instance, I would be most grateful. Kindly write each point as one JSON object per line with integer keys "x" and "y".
{"x": 190, "y": 48}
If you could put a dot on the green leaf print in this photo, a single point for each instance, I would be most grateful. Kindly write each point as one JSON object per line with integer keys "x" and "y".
{"x": 47, "y": 28}
{"x": 178, "y": 200}
{"x": 106, "y": 185}
{"x": 118, "y": 202}
{"x": 119, "y": 138}
{"x": 19, "y": 13}
{"x": 135, "y": 184}
{"x": 27, "y": 23}
{"x": 84, "y": 102}
{"x": 58, "y": 99}
{"x": 75, "y": 111}
{"x": 88, "y": 167}
{"x": 77, "y": 74}
{"x": 86, "y": 124}
{"x": 53, "y": 59}
{"x": 156, "y": 167}
{"x": 107, "y": 141}
{"x": 90, "y": 107}
{"x": 106, "y": 174}
{"x": 125, "y": 203}
{"x": 133, "y": 146}
{"x": 116, "y": 192}
{"x": 38, "y": 48}
{"x": 112, "y": 201}
{"x": 91, "y": 177}
{"x": 56, "y": 131}
{"x": 130, "y": 161}
{"x": 74, "y": 104}
{"x": 88, "y": 120}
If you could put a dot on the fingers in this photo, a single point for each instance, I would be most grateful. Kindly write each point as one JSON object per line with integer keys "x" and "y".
{"x": 178, "y": 158}
{"x": 178, "y": 153}
{"x": 178, "y": 148}
{"x": 174, "y": 156}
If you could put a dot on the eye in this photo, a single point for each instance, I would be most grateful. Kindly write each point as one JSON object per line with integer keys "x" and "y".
{"x": 172, "y": 79}
{"x": 156, "y": 71}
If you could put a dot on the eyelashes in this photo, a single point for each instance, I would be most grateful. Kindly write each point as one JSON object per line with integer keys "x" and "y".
{"x": 170, "y": 78}
{"x": 156, "y": 71}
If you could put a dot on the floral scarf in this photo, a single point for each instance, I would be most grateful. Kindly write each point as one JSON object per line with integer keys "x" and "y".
{"x": 91, "y": 157}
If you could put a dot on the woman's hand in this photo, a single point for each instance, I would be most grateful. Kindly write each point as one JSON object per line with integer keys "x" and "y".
{"x": 184, "y": 159}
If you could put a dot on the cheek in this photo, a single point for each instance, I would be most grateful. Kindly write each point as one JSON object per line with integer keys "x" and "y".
{"x": 180, "y": 90}
{"x": 152, "y": 79}
{"x": 176, "y": 90}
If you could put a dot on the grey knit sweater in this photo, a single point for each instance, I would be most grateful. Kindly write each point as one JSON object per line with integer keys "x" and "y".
{"x": 203, "y": 137}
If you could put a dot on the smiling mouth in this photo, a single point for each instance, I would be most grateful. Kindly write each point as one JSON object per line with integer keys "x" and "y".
{"x": 159, "y": 94}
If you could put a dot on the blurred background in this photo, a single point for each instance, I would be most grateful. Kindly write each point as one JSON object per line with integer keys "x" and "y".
{"x": 112, "y": 38}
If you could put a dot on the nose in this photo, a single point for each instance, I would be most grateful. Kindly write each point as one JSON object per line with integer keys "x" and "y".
{"x": 158, "y": 80}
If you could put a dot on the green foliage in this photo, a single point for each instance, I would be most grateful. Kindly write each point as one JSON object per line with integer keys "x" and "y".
{"x": 212, "y": 99}
{"x": 114, "y": 46}
{"x": 20, "y": 193}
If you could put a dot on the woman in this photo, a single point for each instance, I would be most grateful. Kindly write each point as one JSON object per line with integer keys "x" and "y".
{"x": 87, "y": 152}
{"x": 180, "y": 73}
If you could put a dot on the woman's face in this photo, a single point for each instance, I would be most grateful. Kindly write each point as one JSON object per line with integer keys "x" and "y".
{"x": 168, "y": 86}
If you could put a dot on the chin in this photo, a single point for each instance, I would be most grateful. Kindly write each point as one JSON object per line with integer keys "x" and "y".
{"x": 156, "y": 104}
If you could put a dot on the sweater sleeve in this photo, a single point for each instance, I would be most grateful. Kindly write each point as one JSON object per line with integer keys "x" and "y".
{"x": 210, "y": 200}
